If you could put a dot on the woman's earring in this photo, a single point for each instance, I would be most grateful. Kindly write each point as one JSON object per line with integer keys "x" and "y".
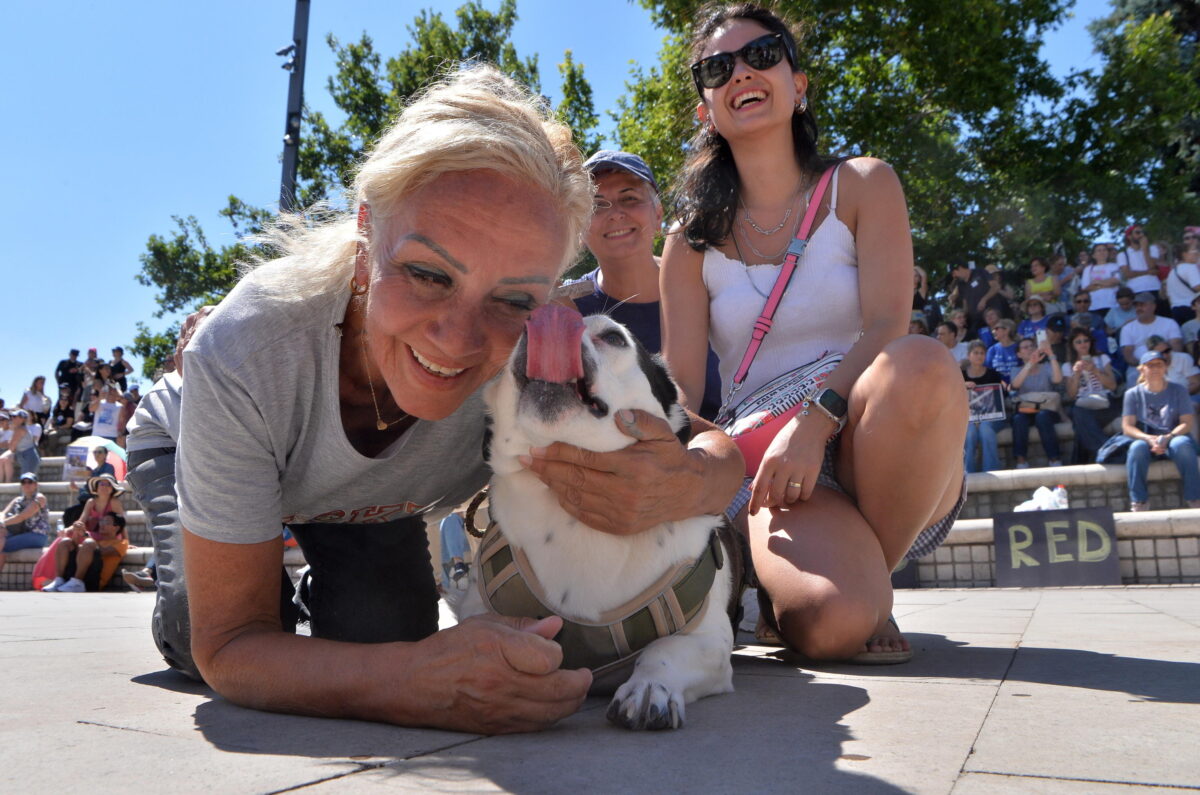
{"x": 360, "y": 261}
{"x": 802, "y": 105}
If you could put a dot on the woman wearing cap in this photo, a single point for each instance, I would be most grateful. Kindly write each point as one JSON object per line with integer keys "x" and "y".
{"x": 1158, "y": 416}
{"x": 337, "y": 390}
{"x": 841, "y": 513}
{"x": 26, "y": 520}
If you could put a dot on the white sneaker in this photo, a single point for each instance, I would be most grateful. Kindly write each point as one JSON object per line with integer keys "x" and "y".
{"x": 1022, "y": 465}
{"x": 51, "y": 587}
{"x": 1054, "y": 462}
{"x": 73, "y": 585}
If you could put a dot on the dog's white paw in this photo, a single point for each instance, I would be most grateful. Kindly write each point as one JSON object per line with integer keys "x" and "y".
{"x": 646, "y": 705}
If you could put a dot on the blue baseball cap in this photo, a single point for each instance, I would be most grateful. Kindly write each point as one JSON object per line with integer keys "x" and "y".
{"x": 610, "y": 159}
{"x": 1151, "y": 356}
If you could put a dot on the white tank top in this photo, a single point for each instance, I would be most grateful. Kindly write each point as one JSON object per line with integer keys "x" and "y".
{"x": 819, "y": 313}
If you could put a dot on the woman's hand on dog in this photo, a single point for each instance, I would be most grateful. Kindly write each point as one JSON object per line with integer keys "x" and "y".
{"x": 497, "y": 675}
{"x": 655, "y": 480}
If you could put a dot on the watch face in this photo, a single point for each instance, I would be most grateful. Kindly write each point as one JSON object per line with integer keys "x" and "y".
{"x": 833, "y": 402}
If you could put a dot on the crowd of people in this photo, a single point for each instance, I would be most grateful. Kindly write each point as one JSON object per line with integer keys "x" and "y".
{"x": 95, "y": 398}
{"x": 1068, "y": 342}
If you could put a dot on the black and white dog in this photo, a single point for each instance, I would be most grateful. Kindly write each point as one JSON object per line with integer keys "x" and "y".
{"x": 657, "y": 599}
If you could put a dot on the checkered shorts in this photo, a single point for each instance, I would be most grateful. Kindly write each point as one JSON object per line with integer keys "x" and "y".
{"x": 926, "y": 541}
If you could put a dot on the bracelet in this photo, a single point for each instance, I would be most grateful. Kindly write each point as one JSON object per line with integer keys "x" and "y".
{"x": 805, "y": 405}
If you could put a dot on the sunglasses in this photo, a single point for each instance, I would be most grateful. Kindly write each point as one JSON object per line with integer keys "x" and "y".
{"x": 760, "y": 54}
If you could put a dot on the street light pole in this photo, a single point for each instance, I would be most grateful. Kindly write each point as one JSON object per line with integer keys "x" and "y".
{"x": 291, "y": 134}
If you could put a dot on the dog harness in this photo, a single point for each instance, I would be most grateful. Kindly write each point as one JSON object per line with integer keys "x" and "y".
{"x": 674, "y": 603}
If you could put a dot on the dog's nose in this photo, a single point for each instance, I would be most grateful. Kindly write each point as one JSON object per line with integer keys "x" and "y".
{"x": 553, "y": 341}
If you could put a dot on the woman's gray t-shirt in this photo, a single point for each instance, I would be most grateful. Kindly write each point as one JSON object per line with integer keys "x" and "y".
{"x": 261, "y": 438}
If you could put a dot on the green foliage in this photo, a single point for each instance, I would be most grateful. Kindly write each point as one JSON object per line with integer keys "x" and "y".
{"x": 153, "y": 347}
{"x": 189, "y": 273}
{"x": 576, "y": 110}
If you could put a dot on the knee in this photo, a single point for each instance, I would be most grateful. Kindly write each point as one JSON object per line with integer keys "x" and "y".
{"x": 921, "y": 377}
{"x": 1140, "y": 448}
{"x": 831, "y": 626}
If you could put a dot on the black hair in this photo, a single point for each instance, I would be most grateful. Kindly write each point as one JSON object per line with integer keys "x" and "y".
{"x": 706, "y": 193}
{"x": 1075, "y": 332}
{"x": 950, "y": 324}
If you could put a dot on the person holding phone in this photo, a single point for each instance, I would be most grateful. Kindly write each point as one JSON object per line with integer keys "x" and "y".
{"x": 1040, "y": 373}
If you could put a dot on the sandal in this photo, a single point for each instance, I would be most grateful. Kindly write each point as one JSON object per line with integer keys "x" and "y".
{"x": 882, "y": 657}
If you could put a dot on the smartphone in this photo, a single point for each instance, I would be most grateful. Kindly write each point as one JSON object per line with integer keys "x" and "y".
{"x": 1041, "y": 336}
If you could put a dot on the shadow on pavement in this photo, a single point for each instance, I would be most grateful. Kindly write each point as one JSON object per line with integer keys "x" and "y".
{"x": 766, "y": 736}
{"x": 939, "y": 657}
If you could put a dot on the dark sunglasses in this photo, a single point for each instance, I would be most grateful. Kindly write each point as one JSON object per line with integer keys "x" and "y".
{"x": 762, "y": 53}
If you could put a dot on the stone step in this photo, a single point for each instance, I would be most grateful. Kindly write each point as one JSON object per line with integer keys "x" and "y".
{"x": 1155, "y": 547}
{"x": 1088, "y": 485}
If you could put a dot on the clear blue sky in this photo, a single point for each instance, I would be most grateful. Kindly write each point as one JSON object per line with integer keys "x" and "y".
{"x": 120, "y": 115}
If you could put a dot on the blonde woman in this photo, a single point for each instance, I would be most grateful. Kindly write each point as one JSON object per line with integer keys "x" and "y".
{"x": 336, "y": 390}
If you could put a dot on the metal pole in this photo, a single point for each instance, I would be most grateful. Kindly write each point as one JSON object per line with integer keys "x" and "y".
{"x": 291, "y": 133}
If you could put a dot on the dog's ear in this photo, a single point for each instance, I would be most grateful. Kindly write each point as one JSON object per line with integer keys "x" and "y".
{"x": 663, "y": 387}
{"x": 487, "y": 438}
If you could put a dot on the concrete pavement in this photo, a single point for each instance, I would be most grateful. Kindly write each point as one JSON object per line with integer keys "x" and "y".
{"x": 1091, "y": 690}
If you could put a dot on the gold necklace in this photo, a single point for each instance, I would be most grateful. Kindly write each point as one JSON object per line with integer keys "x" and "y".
{"x": 379, "y": 423}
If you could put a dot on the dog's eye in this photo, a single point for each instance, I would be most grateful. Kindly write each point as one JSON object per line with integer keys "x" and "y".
{"x": 614, "y": 338}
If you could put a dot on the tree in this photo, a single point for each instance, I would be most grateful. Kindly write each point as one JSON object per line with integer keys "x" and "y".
{"x": 370, "y": 91}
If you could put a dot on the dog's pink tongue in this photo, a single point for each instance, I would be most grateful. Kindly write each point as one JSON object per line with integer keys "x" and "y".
{"x": 553, "y": 336}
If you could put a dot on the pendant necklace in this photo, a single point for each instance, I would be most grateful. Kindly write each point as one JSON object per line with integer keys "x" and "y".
{"x": 379, "y": 423}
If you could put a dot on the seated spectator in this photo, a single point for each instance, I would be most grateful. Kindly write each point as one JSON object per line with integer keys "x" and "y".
{"x": 132, "y": 397}
{"x": 1120, "y": 314}
{"x": 36, "y": 402}
{"x": 103, "y": 467}
{"x": 981, "y": 435}
{"x": 991, "y": 317}
{"x": 1094, "y": 324}
{"x": 1182, "y": 284}
{"x": 959, "y": 318}
{"x": 107, "y": 499}
{"x": 1002, "y": 356}
{"x": 6, "y": 458}
{"x": 1056, "y": 335}
{"x": 1064, "y": 279}
{"x": 1090, "y": 379}
{"x": 83, "y": 420}
{"x": 1191, "y": 331}
{"x": 1147, "y": 324}
{"x": 112, "y": 543}
{"x": 454, "y": 552}
{"x": 26, "y": 520}
{"x": 1034, "y": 309}
{"x": 58, "y": 427}
{"x": 947, "y": 334}
{"x": 917, "y": 324}
{"x": 1101, "y": 280}
{"x": 1180, "y": 367}
{"x": 1158, "y": 416}
{"x": 76, "y": 562}
{"x": 1039, "y": 374}
{"x": 20, "y": 453}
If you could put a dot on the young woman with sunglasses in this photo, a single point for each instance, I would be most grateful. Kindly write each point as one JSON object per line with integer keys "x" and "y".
{"x": 828, "y": 522}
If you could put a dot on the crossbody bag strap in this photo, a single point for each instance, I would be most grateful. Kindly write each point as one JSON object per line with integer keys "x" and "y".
{"x": 796, "y": 248}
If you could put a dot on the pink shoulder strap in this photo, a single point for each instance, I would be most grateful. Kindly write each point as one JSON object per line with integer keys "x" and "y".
{"x": 763, "y": 324}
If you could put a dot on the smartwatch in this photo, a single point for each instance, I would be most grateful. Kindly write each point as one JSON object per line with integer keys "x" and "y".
{"x": 833, "y": 405}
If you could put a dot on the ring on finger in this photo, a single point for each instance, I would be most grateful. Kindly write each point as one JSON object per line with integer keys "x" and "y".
{"x": 794, "y": 485}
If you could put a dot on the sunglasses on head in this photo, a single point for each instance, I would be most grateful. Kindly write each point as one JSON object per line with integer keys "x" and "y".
{"x": 760, "y": 54}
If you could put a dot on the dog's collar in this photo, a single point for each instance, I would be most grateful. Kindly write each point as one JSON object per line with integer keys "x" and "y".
{"x": 674, "y": 603}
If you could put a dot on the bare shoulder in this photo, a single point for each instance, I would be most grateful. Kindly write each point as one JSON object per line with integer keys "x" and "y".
{"x": 868, "y": 172}
{"x": 676, "y": 250}
{"x": 868, "y": 185}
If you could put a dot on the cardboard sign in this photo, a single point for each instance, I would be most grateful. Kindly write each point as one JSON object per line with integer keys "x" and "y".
{"x": 1075, "y": 546}
{"x": 75, "y": 464}
{"x": 106, "y": 418}
{"x": 985, "y": 403}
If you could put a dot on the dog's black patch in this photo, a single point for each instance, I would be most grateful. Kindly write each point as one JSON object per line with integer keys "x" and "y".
{"x": 661, "y": 386}
{"x": 487, "y": 438}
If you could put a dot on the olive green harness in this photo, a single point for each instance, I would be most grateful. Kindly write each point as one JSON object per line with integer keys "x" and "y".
{"x": 675, "y": 603}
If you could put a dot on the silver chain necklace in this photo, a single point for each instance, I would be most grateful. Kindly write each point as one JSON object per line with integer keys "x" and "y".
{"x": 777, "y": 254}
{"x": 791, "y": 206}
